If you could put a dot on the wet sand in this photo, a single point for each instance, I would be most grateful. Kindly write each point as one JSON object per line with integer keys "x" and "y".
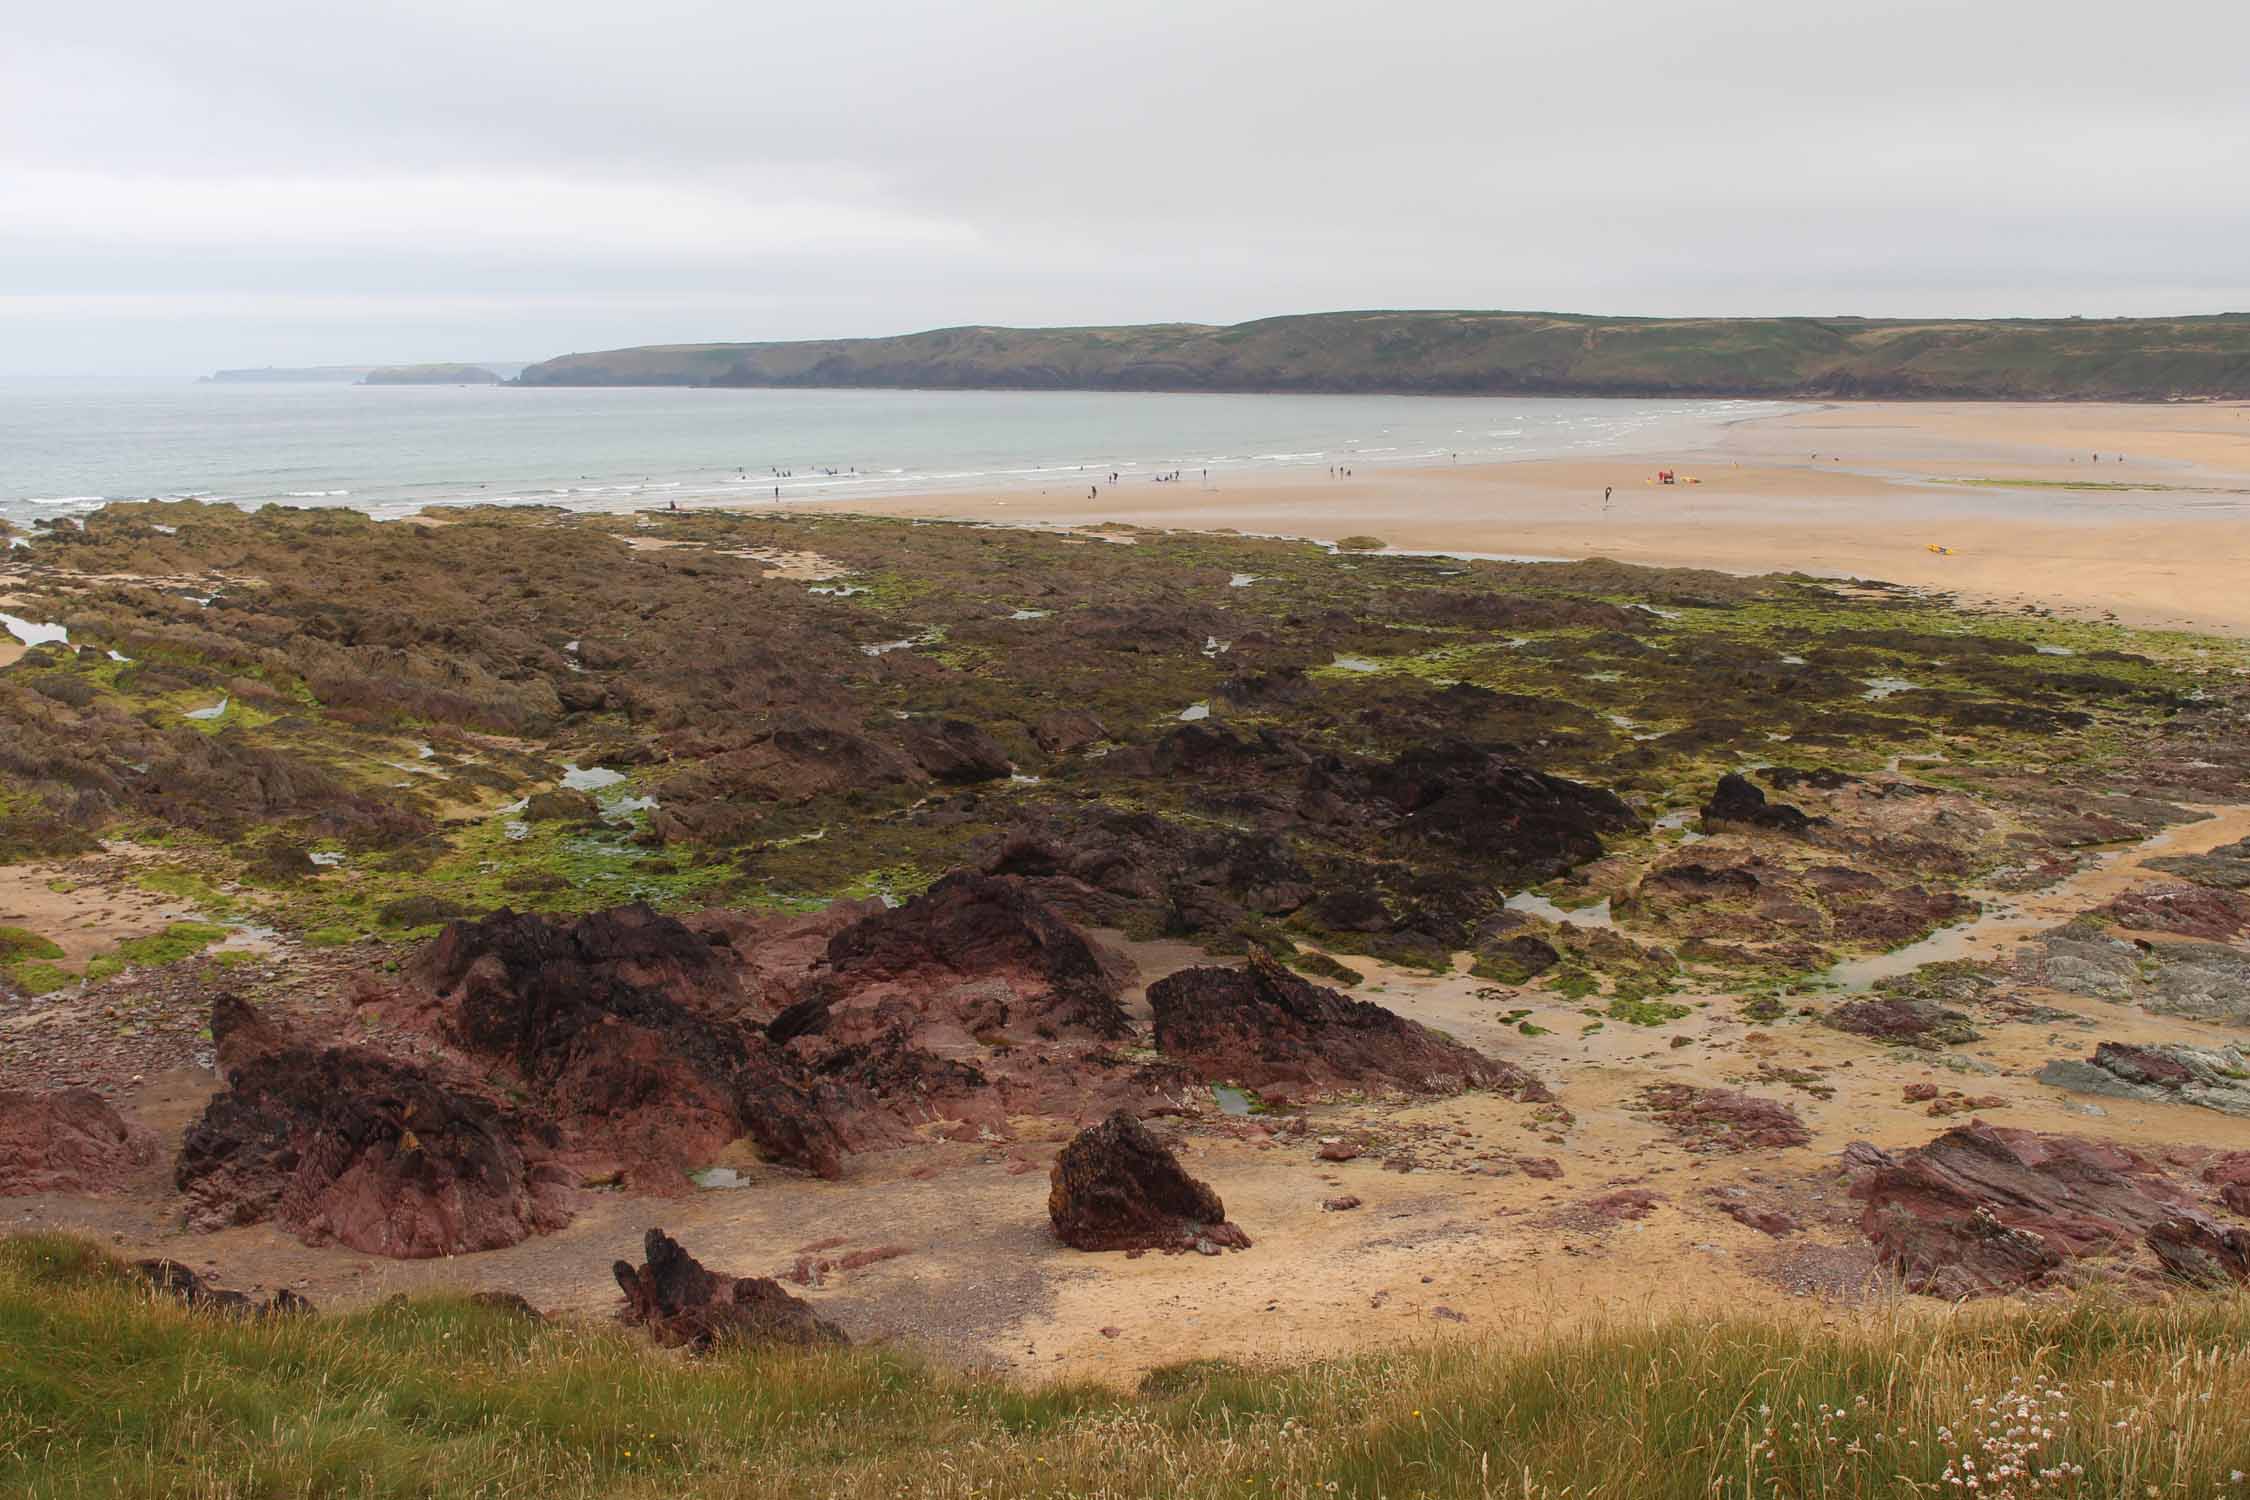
{"x": 1861, "y": 490}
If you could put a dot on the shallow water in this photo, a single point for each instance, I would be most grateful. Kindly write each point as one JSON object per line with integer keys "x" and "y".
{"x": 1595, "y": 916}
{"x": 2008, "y": 915}
{"x": 32, "y": 634}
{"x": 391, "y": 450}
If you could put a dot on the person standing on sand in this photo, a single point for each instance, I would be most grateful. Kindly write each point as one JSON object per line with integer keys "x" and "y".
{"x": 1605, "y": 495}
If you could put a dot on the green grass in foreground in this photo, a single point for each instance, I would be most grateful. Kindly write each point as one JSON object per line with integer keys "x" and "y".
{"x": 105, "y": 1390}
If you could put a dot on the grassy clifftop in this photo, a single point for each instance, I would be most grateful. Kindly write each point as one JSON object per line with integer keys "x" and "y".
{"x": 1494, "y": 353}
{"x": 106, "y": 1391}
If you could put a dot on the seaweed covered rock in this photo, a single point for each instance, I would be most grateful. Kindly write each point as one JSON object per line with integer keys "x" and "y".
{"x": 340, "y": 1145}
{"x": 617, "y": 1022}
{"x": 1904, "y": 1020}
{"x": 1738, "y": 800}
{"x": 682, "y": 1304}
{"x": 1262, "y": 1026}
{"x": 1116, "y": 1187}
{"x": 1983, "y": 1209}
{"x": 66, "y": 1141}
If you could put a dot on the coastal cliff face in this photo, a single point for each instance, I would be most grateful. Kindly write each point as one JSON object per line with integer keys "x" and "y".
{"x": 1494, "y": 353}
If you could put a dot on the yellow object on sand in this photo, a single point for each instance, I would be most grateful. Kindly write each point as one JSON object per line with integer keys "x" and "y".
{"x": 1941, "y": 551}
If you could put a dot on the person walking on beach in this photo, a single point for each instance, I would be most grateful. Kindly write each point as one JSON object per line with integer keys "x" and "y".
{"x": 1605, "y": 495}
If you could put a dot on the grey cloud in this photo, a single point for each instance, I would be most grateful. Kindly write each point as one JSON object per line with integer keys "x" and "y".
{"x": 556, "y": 173}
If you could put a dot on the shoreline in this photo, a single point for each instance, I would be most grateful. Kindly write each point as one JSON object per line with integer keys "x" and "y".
{"x": 2159, "y": 540}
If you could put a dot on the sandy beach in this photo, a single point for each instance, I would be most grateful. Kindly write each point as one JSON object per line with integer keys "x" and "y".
{"x": 2156, "y": 534}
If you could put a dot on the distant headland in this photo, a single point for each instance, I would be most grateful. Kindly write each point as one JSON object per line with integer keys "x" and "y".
{"x": 478, "y": 372}
{"x": 1496, "y": 353}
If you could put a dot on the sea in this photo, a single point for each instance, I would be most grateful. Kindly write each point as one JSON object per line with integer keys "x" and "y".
{"x": 68, "y": 446}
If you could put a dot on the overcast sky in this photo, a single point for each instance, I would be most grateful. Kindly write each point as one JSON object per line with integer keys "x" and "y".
{"x": 245, "y": 182}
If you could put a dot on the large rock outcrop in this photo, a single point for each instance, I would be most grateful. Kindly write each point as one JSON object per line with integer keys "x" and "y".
{"x": 1265, "y": 1028}
{"x": 1985, "y": 1209}
{"x": 2212, "y": 1077}
{"x": 618, "y": 1024}
{"x": 340, "y": 1145}
{"x": 682, "y": 1304}
{"x": 67, "y": 1141}
{"x": 1117, "y": 1187}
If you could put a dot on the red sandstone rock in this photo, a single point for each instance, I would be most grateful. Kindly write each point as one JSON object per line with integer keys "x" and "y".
{"x": 2194, "y": 911}
{"x": 1261, "y": 1025}
{"x": 1116, "y": 1187}
{"x": 1725, "y": 1119}
{"x": 618, "y": 1025}
{"x": 342, "y": 1145}
{"x": 66, "y": 1141}
{"x": 1987, "y": 1209}
{"x": 988, "y": 927}
{"x": 681, "y": 1303}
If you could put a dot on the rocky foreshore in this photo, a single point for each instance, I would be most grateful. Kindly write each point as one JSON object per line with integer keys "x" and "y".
{"x": 899, "y": 913}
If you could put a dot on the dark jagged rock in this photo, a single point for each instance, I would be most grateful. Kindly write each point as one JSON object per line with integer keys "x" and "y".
{"x": 1739, "y": 801}
{"x": 2194, "y": 1249}
{"x": 1823, "y": 779}
{"x": 990, "y": 927}
{"x": 1466, "y": 796}
{"x": 1067, "y": 731}
{"x": 682, "y": 1304}
{"x": 177, "y": 1281}
{"x": 561, "y": 805}
{"x": 955, "y": 751}
{"x": 1725, "y": 1119}
{"x": 2212, "y": 1077}
{"x": 1984, "y": 1209}
{"x": 617, "y": 1023}
{"x": 1436, "y": 829}
{"x": 1516, "y": 960}
{"x": 67, "y": 1141}
{"x": 1262, "y": 1026}
{"x": 1116, "y": 1187}
{"x": 1911, "y": 1022}
{"x": 341, "y": 1145}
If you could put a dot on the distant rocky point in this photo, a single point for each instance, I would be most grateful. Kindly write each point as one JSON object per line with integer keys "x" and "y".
{"x": 480, "y": 372}
{"x": 431, "y": 375}
{"x": 302, "y": 374}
